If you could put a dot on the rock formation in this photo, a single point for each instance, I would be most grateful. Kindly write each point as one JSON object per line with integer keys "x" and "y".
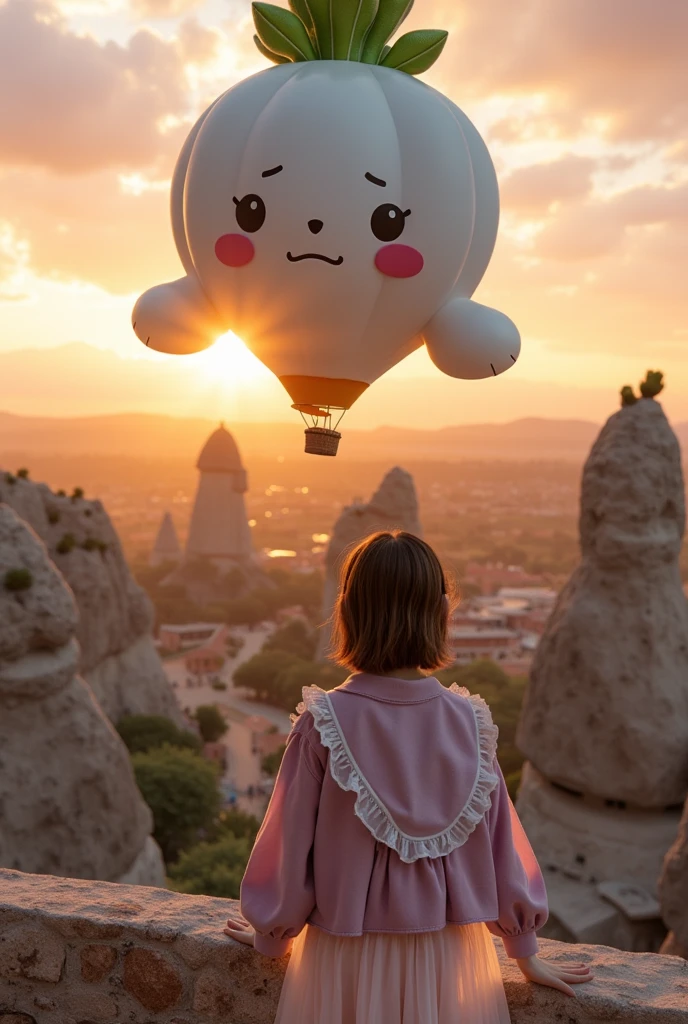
{"x": 166, "y": 548}
{"x": 673, "y": 892}
{"x": 219, "y": 560}
{"x": 219, "y": 529}
{"x": 118, "y": 657}
{"x": 605, "y": 719}
{"x": 69, "y": 803}
{"x": 393, "y": 506}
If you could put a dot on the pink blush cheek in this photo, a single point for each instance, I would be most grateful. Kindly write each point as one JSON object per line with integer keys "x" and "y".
{"x": 399, "y": 261}
{"x": 234, "y": 250}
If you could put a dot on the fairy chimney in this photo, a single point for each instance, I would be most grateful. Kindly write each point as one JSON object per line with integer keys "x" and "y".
{"x": 393, "y": 506}
{"x": 219, "y": 530}
{"x": 606, "y": 710}
{"x": 166, "y": 548}
{"x": 70, "y": 804}
{"x": 604, "y": 724}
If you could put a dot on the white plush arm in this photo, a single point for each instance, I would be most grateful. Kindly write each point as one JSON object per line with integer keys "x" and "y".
{"x": 176, "y": 318}
{"x": 467, "y": 340}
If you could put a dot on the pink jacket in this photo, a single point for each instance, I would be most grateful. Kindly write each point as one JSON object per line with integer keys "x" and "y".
{"x": 390, "y": 814}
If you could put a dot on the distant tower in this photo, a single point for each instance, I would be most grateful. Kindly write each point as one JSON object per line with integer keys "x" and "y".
{"x": 219, "y": 530}
{"x": 167, "y": 547}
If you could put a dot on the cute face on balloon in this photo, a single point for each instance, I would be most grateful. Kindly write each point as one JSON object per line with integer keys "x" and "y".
{"x": 336, "y": 214}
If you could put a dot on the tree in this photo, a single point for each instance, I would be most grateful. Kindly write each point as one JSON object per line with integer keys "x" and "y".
{"x": 142, "y": 733}
{"x": 271, "y": 762}
{"x": 212, "y": 869}
{"x": 295, "y": 638}
{"x": 483, "y": 672}
{"x": 235, "y": 822}
{"x": 23, "y": 474}
{"x": 211, "y": 722}
{"x": 504, "y": 694}
{"x": 261, "y": 673}
{"x": 181, "y": 790}
{"x": 277, "y": 678}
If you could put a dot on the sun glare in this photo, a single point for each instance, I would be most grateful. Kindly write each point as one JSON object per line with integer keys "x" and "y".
{"x": 229, "y": 358}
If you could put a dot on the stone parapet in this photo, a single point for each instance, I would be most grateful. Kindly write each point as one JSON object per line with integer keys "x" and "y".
{"x": 82, "y": 952}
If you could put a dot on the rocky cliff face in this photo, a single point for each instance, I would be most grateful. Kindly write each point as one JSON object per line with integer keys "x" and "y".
{"x": 606, "y": 710}
{"x": 118, "y": 658}
{"x": 69, "y": 804}
{"x": 393, "y": 506}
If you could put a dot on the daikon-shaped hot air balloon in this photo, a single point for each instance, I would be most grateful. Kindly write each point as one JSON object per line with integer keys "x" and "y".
{"x": 335, "y": 213}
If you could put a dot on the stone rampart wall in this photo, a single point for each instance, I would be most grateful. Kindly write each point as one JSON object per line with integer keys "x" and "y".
{"x": 82, "y": 952}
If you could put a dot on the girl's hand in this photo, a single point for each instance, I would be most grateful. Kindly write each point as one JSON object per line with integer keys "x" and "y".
{"x": 544, "y": 972}
{"x": 239, "y": 929}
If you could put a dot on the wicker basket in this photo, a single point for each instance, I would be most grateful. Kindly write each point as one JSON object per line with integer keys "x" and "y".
{"x": 321, "y": 441}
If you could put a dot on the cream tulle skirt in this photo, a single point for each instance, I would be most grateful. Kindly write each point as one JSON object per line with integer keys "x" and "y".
{"x": 446, "y": 977}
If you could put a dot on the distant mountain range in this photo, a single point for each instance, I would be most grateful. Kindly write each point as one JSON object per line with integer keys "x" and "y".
{"x": 81, "y": 380}
{"x": 65, "y": 382}
{"x": 140, "y": 435}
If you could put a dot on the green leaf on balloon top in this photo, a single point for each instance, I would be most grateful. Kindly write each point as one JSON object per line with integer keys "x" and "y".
{"x": 276, "y": 58}
{"x": 282, "y": 32}
{"x": 417, "y": 51}
{"x": 389, "y": 17}
{"x": 351, "y": 22}
{"x": 301, "y": 9}
{"x": 352, "y": 30}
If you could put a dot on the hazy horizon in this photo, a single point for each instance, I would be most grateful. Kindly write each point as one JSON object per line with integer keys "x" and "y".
{"x": 78, "y": 379}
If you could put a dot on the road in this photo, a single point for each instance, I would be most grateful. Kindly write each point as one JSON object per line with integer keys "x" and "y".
{"x": 243, "y": 763}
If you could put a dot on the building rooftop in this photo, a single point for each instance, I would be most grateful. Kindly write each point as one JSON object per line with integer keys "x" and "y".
{"x": 220, "y": 453}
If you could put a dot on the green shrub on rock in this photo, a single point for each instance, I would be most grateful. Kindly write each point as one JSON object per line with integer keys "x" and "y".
{"x": 18, "y": 579}
{"x": 66, "y": 544}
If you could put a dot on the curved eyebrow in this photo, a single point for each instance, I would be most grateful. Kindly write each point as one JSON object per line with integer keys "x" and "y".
{"x": 273, "y": 170}
{"x": 375, "y": 181}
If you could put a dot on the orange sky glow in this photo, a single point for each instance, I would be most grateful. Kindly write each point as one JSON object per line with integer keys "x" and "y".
{"x": 584, "y": 106}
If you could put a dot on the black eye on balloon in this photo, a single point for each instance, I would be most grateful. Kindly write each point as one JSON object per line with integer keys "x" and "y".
{"x": 250, "y": 212}
{"x": 388, "y": 222}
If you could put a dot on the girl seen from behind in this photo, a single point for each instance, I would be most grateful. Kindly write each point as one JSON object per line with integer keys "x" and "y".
{"x": 390, "y": 849}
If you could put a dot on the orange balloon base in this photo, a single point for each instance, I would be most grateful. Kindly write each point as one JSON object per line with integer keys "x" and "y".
{"x": 336, "y": 392}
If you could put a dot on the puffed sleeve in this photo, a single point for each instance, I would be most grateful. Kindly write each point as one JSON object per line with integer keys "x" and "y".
{"x": 520, "y": 886}
{"x": 277, "y": 891}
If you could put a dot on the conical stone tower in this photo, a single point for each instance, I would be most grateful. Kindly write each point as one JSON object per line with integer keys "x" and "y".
{"x": 605, "y": 719}
{"x": 167, "y": 547}
{"x": 393, "y": 506}
{"x": 219, "y": 530}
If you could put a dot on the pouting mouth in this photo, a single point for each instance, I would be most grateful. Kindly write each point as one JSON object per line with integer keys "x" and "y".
{"x": 315, "y": 256}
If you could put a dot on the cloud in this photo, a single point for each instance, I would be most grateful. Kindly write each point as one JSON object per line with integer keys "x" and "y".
{"x": 600, "y": 226}
{"x": 163, "y": 8}
{"x": 198, "y": 44}
{"x": 618, "y": 64}
{"x": 535, "y": 188}
{"x": 89, "y": 228}
{"x": 14, "y": 260}
{"x": 72, "y": 104}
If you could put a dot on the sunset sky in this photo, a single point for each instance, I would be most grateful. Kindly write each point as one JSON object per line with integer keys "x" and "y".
{"x": 584, "y": 107}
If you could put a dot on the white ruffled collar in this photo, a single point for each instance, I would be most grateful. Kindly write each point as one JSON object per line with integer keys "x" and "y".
{"x": 371, "y": 810}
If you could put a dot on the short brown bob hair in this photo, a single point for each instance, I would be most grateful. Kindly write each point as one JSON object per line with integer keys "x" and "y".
{"x": 392, "y": 610}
